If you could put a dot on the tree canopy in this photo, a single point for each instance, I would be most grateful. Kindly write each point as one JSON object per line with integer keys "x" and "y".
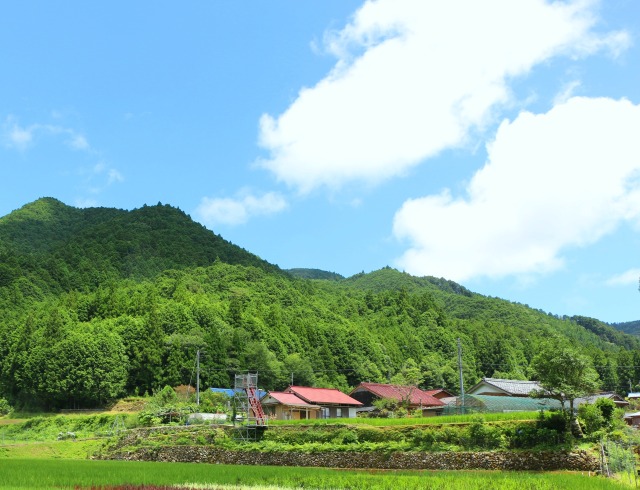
{"x": 97, "y": 303}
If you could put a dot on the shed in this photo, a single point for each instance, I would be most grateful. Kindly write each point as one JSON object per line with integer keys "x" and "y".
{"x": 633, "y": 419}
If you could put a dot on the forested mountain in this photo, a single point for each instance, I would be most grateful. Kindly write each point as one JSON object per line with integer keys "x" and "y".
{"x": 315, "y": 274}
{"x": 96, "y": 303}
{"x": 54, "y": 247}
{"x": 632, "y": 328}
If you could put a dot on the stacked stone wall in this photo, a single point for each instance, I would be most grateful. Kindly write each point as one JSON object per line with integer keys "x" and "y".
{"x": 498, "y": 460}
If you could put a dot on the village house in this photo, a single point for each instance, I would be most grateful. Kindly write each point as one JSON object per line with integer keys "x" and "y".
{"x": 411, "y": 397}
{"x": 632, "y": 419}
{"x": 333, "y": 403}
{"x": 617, "y": 399}
{"x": 504, "y": 387}
{"x": 288, "y": 406}
{"x": 440, "y": 393}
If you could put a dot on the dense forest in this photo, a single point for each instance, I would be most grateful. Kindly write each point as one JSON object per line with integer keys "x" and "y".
{"x": 96, "y": 303}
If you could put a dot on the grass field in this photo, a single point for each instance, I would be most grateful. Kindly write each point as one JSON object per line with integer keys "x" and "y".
{"x": 50, "y": 450}
{"x": 47, "y": 474}
{"x": 445, "y": 419}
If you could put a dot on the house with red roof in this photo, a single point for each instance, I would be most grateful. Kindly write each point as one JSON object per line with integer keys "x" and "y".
{"x": 410, "y": 396}
{"x": 333, "y": 403}
{"x": 288, "y": 406}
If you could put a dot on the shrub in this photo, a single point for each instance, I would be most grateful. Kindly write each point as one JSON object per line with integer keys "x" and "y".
{"x": 424, "y": 437}
{"x": 5, "y": 408}
{"x": 607, "y": 408}
{"x": 166, "y": 396}
{"x": 553, "y": 420}
{"x": 526, "y": 436}
{"x": 591, "y": 416}
{"x": 486, "y": 436}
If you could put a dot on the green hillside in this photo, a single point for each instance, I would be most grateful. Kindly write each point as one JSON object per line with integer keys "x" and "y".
{"x": 97, "y": 303}
{"x": 632, "y": 328}
{"x": 315, "y": 274}
{"x": 53, "y": 247}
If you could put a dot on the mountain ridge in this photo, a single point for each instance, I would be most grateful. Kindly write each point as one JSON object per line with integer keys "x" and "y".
{"x": 136, "y": 292}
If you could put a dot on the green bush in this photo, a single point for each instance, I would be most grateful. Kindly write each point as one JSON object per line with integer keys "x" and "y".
{"x": 527, "y": 436}
{"x": 553, "y": 420}
{"x": 591, "y": 418}
{"x": 486, "y": 436}
{"x": 5, "y": 408}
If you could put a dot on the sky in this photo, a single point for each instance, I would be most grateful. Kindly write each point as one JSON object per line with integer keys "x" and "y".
{"x": 493, "y": 143}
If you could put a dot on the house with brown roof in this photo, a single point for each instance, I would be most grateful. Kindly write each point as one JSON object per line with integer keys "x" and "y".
{"x": 504, "y": 387}
{"x": 411, "y": 396}
{"x": 288, "y": 406}
{"x": 333, "y": 403}
{"x": 440, "y": 393}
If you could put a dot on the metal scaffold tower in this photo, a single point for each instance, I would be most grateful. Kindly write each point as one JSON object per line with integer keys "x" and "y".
{"x": 248, "y": 406}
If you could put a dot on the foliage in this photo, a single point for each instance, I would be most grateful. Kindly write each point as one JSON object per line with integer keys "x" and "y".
{"x": 564, "y": 374}
{"x": 5, "y": 408}
{"x": 96, "y": 303}
{"x": 43, "y": 428}
{"x": 411, "y": 421}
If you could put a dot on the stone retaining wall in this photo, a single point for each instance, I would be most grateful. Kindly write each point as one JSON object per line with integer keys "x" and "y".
{"x": 499, "y": 460}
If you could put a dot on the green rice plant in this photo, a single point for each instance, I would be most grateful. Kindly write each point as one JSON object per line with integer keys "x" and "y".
{"x": 48, "y": 474}
{"x": 440, "y": 420}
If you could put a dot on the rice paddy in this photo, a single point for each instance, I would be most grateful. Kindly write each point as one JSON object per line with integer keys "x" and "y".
{"x": 85, "y": 474}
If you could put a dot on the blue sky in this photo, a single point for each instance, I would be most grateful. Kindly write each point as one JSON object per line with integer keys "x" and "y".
{"x": 493, "y": 143}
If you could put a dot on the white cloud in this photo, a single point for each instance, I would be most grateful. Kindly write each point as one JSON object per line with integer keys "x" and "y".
{"x": 15, "y": 136}
{"x": 552, "y": 181}
{"x": 21, "y": 137}
{"x": 229, "y": 211}
{"x": 413, "y": 78}
{"x": 78, "y": 142}
{"x": 114, "y": 176}
{"x": 102, "y": 169}
{"x": 86, "y": 203}
{"x": 625, "y": 279}
{"x": 567, "y": 92}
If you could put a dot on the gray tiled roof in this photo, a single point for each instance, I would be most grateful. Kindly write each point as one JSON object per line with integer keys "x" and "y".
{"x": 513, "y": 386}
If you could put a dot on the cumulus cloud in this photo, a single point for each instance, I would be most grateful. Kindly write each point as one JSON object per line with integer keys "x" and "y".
{"x": 236, "y": 211}
{"x": 413, "y": 78}
{"x": 624, "y": 279}
{"x": 552, "y": 181}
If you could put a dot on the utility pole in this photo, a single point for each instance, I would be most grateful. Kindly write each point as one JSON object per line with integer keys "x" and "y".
{"x": 198, "y": 377}
{"x": 460, "y": 370}
{"x": 291, "y": 380}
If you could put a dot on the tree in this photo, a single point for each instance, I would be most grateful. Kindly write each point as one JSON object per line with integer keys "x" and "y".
{"x": 300, "y": 368}
{"x": 409, "y": 375}
{"x": 564, "y": 375}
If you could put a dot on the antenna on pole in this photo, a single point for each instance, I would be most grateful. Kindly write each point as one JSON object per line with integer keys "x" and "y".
{"x": 460, "y": 370}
